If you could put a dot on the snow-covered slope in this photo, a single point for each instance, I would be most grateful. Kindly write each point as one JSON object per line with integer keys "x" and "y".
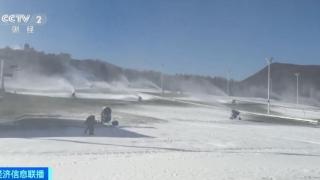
{"x": 165, "y": 139}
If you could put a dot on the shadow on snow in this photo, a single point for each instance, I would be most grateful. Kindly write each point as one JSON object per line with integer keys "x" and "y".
{"x": 53, "y": 127}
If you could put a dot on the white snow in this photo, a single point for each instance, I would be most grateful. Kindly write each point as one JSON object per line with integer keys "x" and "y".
{"x": 188, "y": 142}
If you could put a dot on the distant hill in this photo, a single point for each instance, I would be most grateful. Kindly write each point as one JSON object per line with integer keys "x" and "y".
{"x": 283, "y": 81}
{"x": 78, "y": 72}
{"x": 30, "y": 61}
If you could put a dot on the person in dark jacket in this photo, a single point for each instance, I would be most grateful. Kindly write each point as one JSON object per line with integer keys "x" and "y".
{"x": 235, "y": 114}
{"x": 90, "y": 122}
{"x": 106, "y": 115}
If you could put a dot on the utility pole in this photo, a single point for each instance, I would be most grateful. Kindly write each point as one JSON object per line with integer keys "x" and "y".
{"x": 214, "y": 84}
{"x": 269, "y": 61}
{"x": 228, "y": 83}
{"x": 162, "y": 81}
{"x": 2, "y": 75}
{"x": 297, "y": 76}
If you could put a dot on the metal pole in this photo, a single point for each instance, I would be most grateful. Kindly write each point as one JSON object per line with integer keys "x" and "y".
{"x": 162, "y": 88}
{"x": 298, "y": 89}
{"x": 228, "y": 83}
{"x": 297, "y": 76}
{"x": 269, "y": 61}
{"x": 2, "y": 75}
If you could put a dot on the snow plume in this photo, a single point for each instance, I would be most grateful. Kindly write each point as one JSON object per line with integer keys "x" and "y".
{"x": 26, "y": 80}
{"x": 38, "y": 71}
{"x": 72, "y": 80}
{"x": 203, "y": 87}
{"x": 192, "y": 84}
{"x": 143, "y": 83}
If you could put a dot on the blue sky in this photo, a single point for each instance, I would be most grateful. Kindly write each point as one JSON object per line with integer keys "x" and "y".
{"x": 187, "y": 36}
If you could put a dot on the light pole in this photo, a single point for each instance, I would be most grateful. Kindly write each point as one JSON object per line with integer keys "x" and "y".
{"x": 297, "y": 76}
{"x": 2, "y": 75}
{"x": 228, "y": 83}
{"x": 269, "y": 61}
{"x": 161, "y": 79}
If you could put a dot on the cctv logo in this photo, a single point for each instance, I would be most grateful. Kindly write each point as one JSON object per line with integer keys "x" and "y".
{"x": 15, "y": 18}
{"x": 23, "y": 22}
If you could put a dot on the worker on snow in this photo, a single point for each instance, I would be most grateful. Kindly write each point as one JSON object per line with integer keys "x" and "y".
{"x": 73, "y": 94}
{"x": 235, "y": 114}
{"x": 90, "y": 122}
{"x": 106, "y": 115}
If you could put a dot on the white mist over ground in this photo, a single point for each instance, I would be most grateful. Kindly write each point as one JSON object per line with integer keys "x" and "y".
{"x": 175, "y": 136}
{"x": 29, "y": 83}
{"x": 189, "y": 137}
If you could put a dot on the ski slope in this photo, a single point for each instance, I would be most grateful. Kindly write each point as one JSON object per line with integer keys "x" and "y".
{"x": 165, "y": 138}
